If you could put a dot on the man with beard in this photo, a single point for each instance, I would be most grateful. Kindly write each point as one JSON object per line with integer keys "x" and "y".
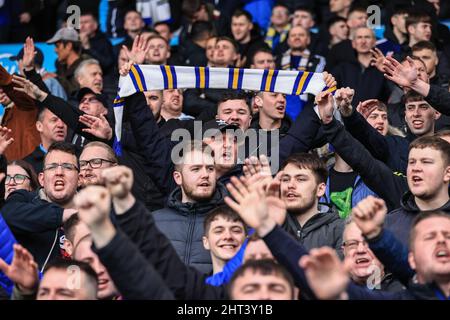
{"x": 96, "y": 156}
{"x": 35, "y": 218}
{"x": 302, "y": 184}
{"x": 197, "y": 194}
{"x": 173, "y": 105}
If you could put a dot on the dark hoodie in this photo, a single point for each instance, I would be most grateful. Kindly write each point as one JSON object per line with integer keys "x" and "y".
{"x": 323, "y": 229}
{"x": 182, "y": 223}
{"x": 399, "y": 221}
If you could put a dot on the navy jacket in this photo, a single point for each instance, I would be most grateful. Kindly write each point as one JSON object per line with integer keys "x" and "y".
{"x": 35, "y": 223}
{"x": 399, "y": 221}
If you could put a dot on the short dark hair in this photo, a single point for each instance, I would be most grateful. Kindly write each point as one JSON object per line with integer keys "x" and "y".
{"x": 70, "y": 225}
{"x": 424, "y": 45}
{"x": 311, "y": 162}
{"x": 89, "y": 13}
{"x": 435, "y": 143}
{"x": 306, "y": 9}
{"x": 241, "y": 12}
{"x": 160, "y": 23}
{"x": 263, "y": 48}
{"x": 202, "y": 30}
{"x": 264, "y": 267}
{"x": 334, "y": 20}
{"x": 357, "y": 8}
{"x": 62, "y": 264}
{"x": 421, "y": 217}
{"x": 279, "y": 4}
{"x": 34, "y": 184}
{"x": 230, "y": 40}
{"x": 416, "y": 17}
{"x": 222, "y": 211}
{"x": 235, "y": 95}
{"x": 412, "y": 96}
{"x": 63, "y": 147}
{"x": 76, "y": 45}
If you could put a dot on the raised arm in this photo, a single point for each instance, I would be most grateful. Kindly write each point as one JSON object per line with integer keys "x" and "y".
{"x": 375, "y": 174}
{"x": 138, "y": 224}
{"x": 134, "y": 277}
{"x": 369, "y": 215}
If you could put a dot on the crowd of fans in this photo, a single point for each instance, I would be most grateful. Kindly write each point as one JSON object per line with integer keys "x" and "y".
{"x": 358, "y": 207}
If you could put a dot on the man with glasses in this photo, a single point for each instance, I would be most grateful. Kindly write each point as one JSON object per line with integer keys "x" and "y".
{"x": 364, "y": 267}
{"x": 95, "y": 157}
{"x": 35, "y": 218}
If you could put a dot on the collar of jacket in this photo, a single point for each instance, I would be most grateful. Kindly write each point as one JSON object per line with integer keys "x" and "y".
{"x": 286, "y": 123}
{"x": 236, "y": 171}
{"x": 174, "y": 201}
{"x": 409, "y": 204}
{"x": 325, "y": 215}
{"x": 389, "y": 35}
{"x": 42, "y": 195}
{"x": 429, "y": 291}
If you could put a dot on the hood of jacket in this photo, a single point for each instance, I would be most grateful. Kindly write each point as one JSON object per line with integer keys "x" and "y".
{"x": 429, "y": 291}
{"x": 236, "y": 171}
{"x": 286, "y": 123}
{"x": 174, "y": 201}
{"x": 409, "y": 205}
{"x": 326, "y": 215}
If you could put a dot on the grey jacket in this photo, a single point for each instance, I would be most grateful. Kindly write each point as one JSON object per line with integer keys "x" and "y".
{"x": 323, "y": 229}
{"x": 182, "y": 223}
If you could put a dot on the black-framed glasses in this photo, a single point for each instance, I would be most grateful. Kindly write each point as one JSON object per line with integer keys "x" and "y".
{"x": 94, "y": 163}
{"x": 353, "y": 244}
{"x": 17, "y": 178}
{"x": 65, "y": 167}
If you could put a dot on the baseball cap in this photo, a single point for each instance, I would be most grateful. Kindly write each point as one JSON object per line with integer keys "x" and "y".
{"x": 220, "y": 125}
{"x": 100, "y": 97}
{"x": 38, "y": 58}
{"x": 67, "y": 34}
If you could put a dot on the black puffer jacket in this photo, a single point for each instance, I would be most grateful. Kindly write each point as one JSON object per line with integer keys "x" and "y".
{"x": 323, "y": 229}
{"x": 182, "y": 223}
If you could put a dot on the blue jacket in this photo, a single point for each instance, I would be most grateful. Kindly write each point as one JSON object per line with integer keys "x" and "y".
{"x": 6, "y": 252}
{"x": 393, "y": 254}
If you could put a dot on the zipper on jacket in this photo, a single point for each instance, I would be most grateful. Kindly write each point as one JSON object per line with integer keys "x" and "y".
{"x": 187, "y": 253}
